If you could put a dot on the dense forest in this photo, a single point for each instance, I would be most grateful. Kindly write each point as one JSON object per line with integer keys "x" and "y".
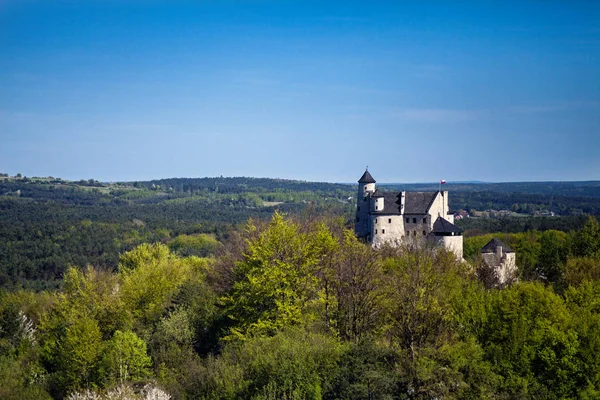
{"x": 298, "y": 308}
{"x": 242, "y": 288}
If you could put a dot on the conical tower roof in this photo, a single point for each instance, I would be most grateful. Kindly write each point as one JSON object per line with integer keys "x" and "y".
{"x": 366, "y": 178}
{"x": 493, "y": 244}
{"x": 442, "y": 225}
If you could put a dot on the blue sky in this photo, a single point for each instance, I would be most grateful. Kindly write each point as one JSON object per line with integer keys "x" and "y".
{"x": 312, "y": 90}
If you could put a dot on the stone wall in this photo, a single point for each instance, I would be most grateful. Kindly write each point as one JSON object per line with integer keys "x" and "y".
{"x": 362, "y": 223}
{"x": 453, "y": 244}
{"x": 387, "y": 228}
{"x": 501, "y": 268}
{"x": 416, "y": 224}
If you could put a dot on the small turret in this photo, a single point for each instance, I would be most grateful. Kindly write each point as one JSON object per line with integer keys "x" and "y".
{"x": 366, "y": 183}
{"x": 379, "y": 200}
{"x": 366, "y": 187}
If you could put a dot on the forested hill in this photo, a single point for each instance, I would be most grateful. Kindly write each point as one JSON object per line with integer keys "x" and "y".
{"x": 47, "y": 224}
{"x": 237, "y": 185}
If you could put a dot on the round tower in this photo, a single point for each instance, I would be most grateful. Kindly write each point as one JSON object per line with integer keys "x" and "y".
{"x": 366, "y": 187}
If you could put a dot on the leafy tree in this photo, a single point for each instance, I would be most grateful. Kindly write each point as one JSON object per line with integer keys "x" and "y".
{"x": 365, "y": 372}
{"x": 17, "y": 381}
{"x": 95, "y": 293}
{"x": 587, "y": 240}
{"x": 420, "y": 289}
{"x": 275, "y": 284}
{"x": 584, "y": 303}
{"x": 201, "y": 245}
{"x": 124, "y": 358}
{"x": 433, "y": 362}
{"x": 582, "y": 269}
{"x": 293, "y": 364}
{"x": 21, "y": 376}
{"x": 554, "y": 248}
{"x": 151, "y": 277}
{"x": 198, "y": 303}
{"x": 529, "y": 340}
{"x": 75, "y": 354}
{"x": 527, "y": 249}
{"x": 355, "y": 278}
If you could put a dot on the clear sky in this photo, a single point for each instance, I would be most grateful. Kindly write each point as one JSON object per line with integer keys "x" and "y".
{"x": 312, "y": 90}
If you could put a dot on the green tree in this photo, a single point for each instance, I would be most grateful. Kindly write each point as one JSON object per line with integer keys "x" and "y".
{"x": 77, "y": 353}
{"x": 435, "y": 359}
{"x": 584, "y": 303}
{"x": 124, "y": 358}
{"x": 202, "y": 245}
{"x": 365, "y": 373}
{"x": 554, "y": 248}
{"x": 582, "y": 269}
{"x": 275, "y": 283}
{"x": 587, "y": 239}
{"x": 292, "y": 364}
{"x": 527, "y": 249}
{"x": 95, "y": 293}
{"x": 420, "y": 289}
{"x": 355, "y": 279}
{"x": 151, "y": 276}
{"x": 17, "y": 381}
{"x": 529, "y": 340}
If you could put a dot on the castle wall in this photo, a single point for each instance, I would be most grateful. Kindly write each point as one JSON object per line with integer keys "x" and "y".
{"x": 362, "y": 223}
{"x": 415, "y": 225}
{"x": 503, "y": 266}
{"x": 387, "y": 228}
{"x": 453, "y": 244}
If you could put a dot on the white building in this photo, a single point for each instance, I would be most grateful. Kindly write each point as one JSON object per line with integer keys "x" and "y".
{"x": 405, "y": 217}
{"x": 499, "y": 264}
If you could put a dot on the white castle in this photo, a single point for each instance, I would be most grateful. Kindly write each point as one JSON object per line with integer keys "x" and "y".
{"x": 405, "y": 217}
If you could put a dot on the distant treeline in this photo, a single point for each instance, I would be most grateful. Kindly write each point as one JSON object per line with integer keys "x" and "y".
{"x": 576, "y": 189}
{"x": 478, "y": 226}
{"x": 524, "y": 202}
{"x": 238, "y": 185}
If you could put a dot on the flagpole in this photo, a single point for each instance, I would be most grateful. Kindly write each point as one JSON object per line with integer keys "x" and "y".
{"x": 443, "y": 199}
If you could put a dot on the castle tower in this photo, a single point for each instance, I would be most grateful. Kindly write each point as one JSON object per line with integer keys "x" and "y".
{"x": 366, "y": 187}
{"x": 448, "y": 235}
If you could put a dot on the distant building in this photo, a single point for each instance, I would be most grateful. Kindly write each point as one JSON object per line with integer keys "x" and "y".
{"x": 460, "y": 215}
{"x": 499, "y": 265}
{"x": 405, "y": 217}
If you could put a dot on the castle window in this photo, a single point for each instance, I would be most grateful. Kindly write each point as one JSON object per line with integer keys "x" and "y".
{"x": 407, "y": 220}
{"x": 414, "y": 220}
{"x": 376, "y": 231}
{"x": 375, "y": 220}
{"x": 425, "y": 220}
{"x": 389, "y": 220}
{"x": 407, "y": 233}
{"x": 423, "y": 233}
{"x": 383, "y": 231}
{"x": 414, "y": 233}
{"x": 376, "y": 207}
